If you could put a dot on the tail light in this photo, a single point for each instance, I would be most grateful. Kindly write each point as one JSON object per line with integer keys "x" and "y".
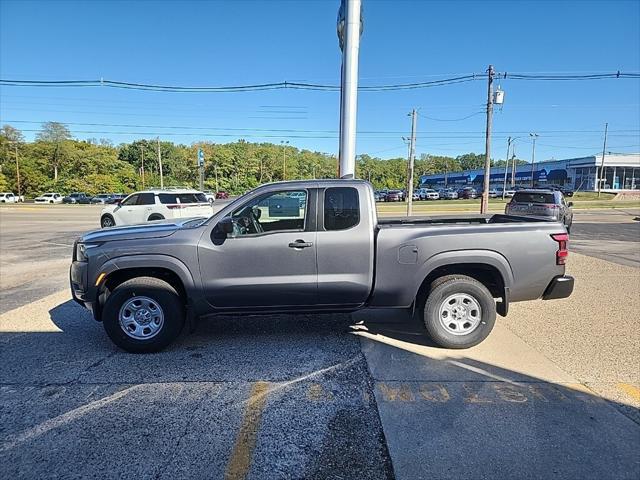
{"x": 562, "y": 253}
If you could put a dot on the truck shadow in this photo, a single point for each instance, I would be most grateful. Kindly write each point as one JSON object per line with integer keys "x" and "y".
{"x": 335, "y": 402}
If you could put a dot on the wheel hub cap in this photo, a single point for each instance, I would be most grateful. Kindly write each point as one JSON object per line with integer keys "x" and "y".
{"x": 141, "y": 318}
{"x": 460, "y": 314}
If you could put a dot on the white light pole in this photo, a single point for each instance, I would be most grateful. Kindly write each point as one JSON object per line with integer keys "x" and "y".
{"x": 533, "y": 156}
{"x": 349, "y": 31}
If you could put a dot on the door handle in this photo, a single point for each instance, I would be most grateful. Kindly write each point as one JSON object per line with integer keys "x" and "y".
{"x": 300, "y": 244}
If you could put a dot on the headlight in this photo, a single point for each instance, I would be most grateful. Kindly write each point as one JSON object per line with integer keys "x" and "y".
{"x": 81, "y": 251}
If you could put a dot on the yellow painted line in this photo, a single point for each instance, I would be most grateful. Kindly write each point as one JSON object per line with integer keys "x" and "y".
{"x": 240, "y": 461}
{"x": 633, "y": 392}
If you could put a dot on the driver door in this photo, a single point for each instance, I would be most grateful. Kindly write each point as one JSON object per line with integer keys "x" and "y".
{"x": 270, "y": 258}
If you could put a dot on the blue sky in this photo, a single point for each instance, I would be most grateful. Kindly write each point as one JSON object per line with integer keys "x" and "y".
{"x": 244, "y": 42}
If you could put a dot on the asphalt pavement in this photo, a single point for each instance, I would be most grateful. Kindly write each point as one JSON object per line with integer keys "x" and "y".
{"x": 554, "y": 392}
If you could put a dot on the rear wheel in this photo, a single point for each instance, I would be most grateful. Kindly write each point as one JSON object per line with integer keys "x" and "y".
{"x": 459, "y": 312}
{"x": 144, "y": 314}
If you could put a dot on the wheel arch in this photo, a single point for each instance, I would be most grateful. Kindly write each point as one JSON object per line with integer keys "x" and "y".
{"x": 489, "y": 268}
{"x": 163, "y": 267}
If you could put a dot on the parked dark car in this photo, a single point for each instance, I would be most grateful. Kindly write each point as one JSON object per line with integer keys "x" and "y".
{"x": 541, "y": 203}
{"x": 394, "y": 196}
{"x": 101, "y": 198}
{"x": 566, "y": 191}
{"x": 222, "y": 195}
{"x": 467, "y": 193}
{"x": 116, "y": 198}
{"x": 77, "y": 197}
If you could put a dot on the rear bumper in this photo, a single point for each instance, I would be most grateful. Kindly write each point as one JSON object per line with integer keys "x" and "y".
{"x": 560, "y": 287}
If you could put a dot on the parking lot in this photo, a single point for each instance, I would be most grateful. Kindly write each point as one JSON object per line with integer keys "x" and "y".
{"x": 553, "y": 393}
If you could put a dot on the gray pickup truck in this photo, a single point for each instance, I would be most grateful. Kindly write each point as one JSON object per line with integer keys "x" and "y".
{"x": 315, "y": 246}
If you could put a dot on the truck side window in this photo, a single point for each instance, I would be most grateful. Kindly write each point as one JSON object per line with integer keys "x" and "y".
{"x": 273, "y": 212}
{"x": 341, "y": 208}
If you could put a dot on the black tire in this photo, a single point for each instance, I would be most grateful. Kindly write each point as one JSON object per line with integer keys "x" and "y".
{"x": 155, "y": 216}
{"x": 107, "y": 221}
{"x": 160, "y": 292}
{"x": 441, "y": 289}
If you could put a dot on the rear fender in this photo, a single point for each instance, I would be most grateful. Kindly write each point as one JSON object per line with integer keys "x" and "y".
{"x": 479, "y": 257}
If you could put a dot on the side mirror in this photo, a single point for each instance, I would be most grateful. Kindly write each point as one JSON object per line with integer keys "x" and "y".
{"x": 570, "y": 204}
{"x": 118, "y": 201}
{"x": 226, "y": 225}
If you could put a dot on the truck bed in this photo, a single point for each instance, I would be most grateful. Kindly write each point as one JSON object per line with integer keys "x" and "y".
{"x": 475, "y": 219}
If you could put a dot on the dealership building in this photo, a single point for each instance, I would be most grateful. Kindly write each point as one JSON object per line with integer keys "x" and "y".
{"x": 621, "y": 172}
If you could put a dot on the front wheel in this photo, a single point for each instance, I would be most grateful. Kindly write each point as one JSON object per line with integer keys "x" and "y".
{"x": 107, "y": 221}
{"x": 459, "y": 312}
{"x": 143, "y": 315}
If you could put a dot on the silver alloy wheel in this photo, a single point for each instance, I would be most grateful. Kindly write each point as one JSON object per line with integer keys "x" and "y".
{"x": 141, "y": 318}
{"x": 460, "y": 314}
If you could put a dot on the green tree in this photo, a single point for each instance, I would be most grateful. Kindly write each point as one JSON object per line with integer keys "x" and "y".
{"x": 55, "y": 134}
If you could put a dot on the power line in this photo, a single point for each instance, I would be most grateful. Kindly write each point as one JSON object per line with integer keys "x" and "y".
{"x": 451, "y": 119}
{"x": 307, "y": 86}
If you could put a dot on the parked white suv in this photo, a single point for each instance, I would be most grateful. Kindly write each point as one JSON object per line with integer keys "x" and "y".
{"x": 150, "y": 205}
{"x": 429, "y": 194}
{"x": 49, "y": 198}
{"x": 8, "y": 197}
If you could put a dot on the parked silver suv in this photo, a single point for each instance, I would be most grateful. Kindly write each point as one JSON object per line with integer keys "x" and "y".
{"x": 541, "y": 203}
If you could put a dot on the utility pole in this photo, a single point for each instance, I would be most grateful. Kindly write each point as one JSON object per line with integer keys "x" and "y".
{"x": 142, "y": 168}
{"x": 484, "y": 204}
{"x": 412, "y": 157}
{"x": 160, "y": 164}
{"x": 533, "y": 157}
{"x": 349, "y": 30}
{"x": 17, "y": 170}
{"x": 284, "y": 158}
{"x": 604, "y": 147}
{"x": 513, "y": 167}
{"x": 506, "y": 168}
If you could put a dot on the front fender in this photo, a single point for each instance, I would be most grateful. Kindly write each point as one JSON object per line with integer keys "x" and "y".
{"x": 151, "y": 261}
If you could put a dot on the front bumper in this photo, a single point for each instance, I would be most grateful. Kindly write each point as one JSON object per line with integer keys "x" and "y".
{"x": 78, "y": 278}
{"x": 560, "y": 287}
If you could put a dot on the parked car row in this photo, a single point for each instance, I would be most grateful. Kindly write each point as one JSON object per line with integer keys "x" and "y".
{"x": 81, "y": 198}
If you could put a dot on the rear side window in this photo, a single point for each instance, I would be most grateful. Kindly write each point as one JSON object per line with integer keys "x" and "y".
{"x": 533, "y": 197}
{"x": 341, "y": 208}
{"x": 146, "y": 199}
{"x": 168, "y": 198}
{"x": 182, "y": 198}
